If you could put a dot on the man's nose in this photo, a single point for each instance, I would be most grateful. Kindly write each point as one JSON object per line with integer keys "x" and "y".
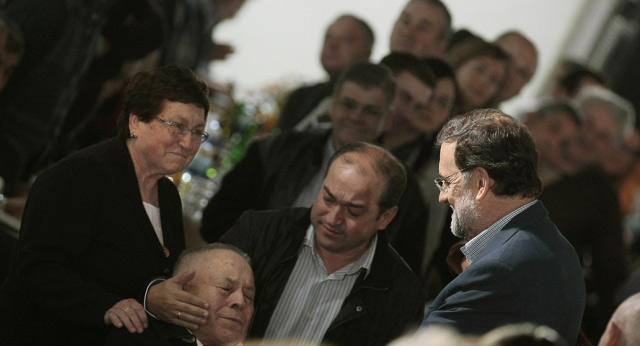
{"x": 237, "y": 299}
{"x": 357, "y": 114}
{"x": 413, "y": 32}
{"x": 442, "y": 198}
{"x": 334, "y": 215}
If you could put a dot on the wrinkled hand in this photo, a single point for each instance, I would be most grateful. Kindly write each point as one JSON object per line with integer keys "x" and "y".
{"x": 128, "y": 313}
{"x": 169, "y": 302}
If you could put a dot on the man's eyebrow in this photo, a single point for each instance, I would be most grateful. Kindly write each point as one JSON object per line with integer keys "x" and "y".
{"x": 326, "y": 189}
{"x": 355, "y": 205}
{"x": 234, "y": 281}
{"x": 230, "y": 279}
{"x": 348, "y": 204}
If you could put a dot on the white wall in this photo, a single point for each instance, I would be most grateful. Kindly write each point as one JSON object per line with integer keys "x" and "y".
{"x": 278, "y": 41}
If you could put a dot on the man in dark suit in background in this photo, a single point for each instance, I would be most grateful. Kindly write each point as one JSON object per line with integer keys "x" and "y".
{"x": 521, "y": 268}
{"x": 348, "y": 40}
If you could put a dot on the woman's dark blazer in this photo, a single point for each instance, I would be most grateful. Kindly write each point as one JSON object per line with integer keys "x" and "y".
{"x": 85, "y": 243}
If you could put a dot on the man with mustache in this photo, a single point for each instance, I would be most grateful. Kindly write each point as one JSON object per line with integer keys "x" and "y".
{"x": 327, "y": 273}
{"x": 521, "y": 268}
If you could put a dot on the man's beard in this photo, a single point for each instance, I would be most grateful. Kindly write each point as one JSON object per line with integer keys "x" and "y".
{"x": 465, "y": 215}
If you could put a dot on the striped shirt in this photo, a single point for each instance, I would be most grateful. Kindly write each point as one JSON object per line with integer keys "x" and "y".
{"x": 312, "y": 298}
{"x": 475, "y": 246}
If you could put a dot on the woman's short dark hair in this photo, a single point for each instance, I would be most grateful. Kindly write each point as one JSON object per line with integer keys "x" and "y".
{"x": 146, "y": 93}
{"x": 440, "y": 68}
{"x": 495, "y": 141}
{"x": 206, "y": 248}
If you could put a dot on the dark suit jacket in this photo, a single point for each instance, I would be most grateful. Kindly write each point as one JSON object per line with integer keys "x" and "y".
{"x": 302, "y": 101}
{"x": 528, "y": 272}
{"x": 270, "y": 176}
{"x": 85, "y": 243}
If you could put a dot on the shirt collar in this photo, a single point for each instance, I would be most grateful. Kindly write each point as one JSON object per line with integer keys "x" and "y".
{"x": 364, "y": 262}
{"x": 476, "y": 245}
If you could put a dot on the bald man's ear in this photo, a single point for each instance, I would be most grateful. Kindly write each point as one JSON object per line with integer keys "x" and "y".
{"x": 385, "y": 219}
{"x": 611, "y": 336}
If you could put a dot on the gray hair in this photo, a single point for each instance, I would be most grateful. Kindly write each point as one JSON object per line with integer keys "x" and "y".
{"x": 197, "y": 250}
{"x": 621, "y": 108}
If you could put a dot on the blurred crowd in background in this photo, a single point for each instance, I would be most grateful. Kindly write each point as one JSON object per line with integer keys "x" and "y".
{"x": 64, "y": 65}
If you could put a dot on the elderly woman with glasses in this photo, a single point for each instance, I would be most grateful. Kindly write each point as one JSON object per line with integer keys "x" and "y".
{"x": 102, "y": 223}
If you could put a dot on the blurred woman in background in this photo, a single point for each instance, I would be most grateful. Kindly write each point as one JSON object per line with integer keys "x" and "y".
{"x": 481, "y": 71}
